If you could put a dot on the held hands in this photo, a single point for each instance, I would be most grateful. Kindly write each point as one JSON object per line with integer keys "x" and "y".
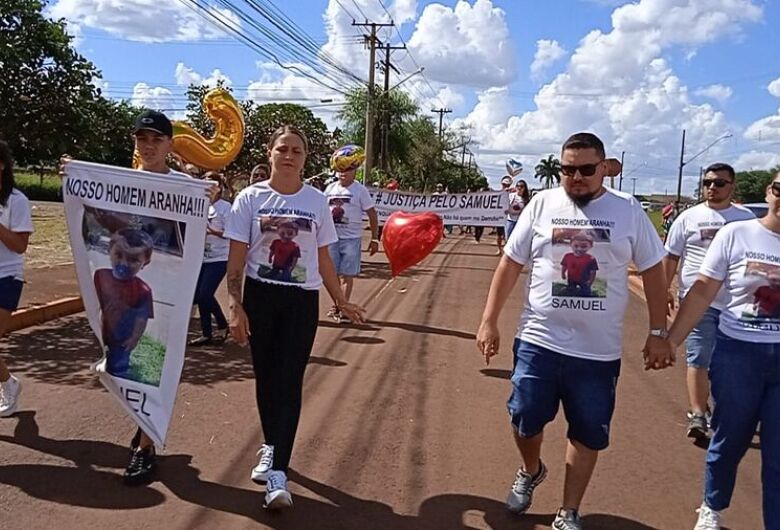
{"x": 64, "y": 159}
{"x": 658, "y": 353}
{"x": 373, "y": 247}
{"x": 671, "y": 303}
{"x": 355, "y": 313}
{"x": 488, "y": 340}
{"x": 239, "y": 325}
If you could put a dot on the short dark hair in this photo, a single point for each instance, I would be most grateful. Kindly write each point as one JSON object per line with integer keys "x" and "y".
{"x": 7, "y": 176}
{"x": 585, "y": 140}
{"x": 720, "y": 166}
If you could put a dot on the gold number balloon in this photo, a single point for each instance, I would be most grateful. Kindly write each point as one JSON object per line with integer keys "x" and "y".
{"x": 220, "y": 150}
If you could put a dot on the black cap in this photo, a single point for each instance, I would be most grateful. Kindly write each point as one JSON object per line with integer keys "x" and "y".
{"x": 151, "y": 120}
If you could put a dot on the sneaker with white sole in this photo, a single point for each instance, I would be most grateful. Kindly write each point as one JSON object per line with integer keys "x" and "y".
{"x": 277, "y": 496}
{"x": 567, "y": 520}
{"x": 9, "y": 396}
{"x": 698, "y": 426}
{"x": 263, "y": 468}
{"x": 709, "y": 519}
{"x": 522, "y": 492}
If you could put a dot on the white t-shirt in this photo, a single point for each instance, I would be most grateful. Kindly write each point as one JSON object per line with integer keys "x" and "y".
{"x": 284, "y": 233}
{"x": 16, "y": 216}
{"x": 691, "y": 235}
{"x": 217, "y": 248}
{"x": 746, "y": 256}
{"x": 515, "y": 206}
{"x": 577, "y": 292}
{"x": 347, "y": 205}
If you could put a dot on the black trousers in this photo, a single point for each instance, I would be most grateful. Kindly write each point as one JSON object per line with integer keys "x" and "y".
{"x": 283, "y": 322}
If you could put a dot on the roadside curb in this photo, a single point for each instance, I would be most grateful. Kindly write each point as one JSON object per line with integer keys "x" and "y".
{"x": 32, "y": 316}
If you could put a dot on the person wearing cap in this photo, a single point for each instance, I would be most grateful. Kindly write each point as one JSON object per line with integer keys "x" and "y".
{"x": 153, "y": 139}
{"x": 348, "y": 200}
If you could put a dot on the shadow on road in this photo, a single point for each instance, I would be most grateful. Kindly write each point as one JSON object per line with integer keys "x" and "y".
{"x": 381, "y": 271}
{"x": 420, "y": 328}
{"x": 82, "y": 485}
{"x": 497, "y": 373}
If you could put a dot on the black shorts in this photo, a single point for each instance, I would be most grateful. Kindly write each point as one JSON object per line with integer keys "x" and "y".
{"x": 500, "y": 231}
{"x": 10, "y": 293}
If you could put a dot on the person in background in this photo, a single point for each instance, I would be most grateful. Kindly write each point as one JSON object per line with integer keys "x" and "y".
{"x": 440, "y": 190}
{"x": 348, "y": 201}
{"x": 259, "y": 173}
{"x": 214, "y": 267}
{"x": 689, "y": 237}
{"x": 519, "y": 197}
{"x": 15, "y": 229}
{"x": 744, "y": 370}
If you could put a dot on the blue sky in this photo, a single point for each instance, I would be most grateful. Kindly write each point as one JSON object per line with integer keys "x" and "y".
{"x": 646, "y": 71}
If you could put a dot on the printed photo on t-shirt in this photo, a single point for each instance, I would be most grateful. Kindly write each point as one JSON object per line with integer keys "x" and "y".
{"x": 575, "y": 254}
{"x": 134, "y": 314}
{"x": 765, "y": 307}
{"x": 284, "y": 253}
{"x": 337, "y": 209}
{"x": 708, "y": 234}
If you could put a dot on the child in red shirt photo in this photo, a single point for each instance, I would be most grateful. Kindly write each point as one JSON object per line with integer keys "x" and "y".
{"x": 578, "y": 267}
{"x": 125, "y": 300}
{"x": 285, "y": 252}
{"x": 766, "y": 302}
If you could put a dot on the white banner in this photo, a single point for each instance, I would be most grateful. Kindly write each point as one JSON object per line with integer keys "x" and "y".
{"x": 137, "y": 241}
{"x": 484, "y": 208}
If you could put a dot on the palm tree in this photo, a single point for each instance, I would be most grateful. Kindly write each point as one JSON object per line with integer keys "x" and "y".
{"x": 548, "y": 171}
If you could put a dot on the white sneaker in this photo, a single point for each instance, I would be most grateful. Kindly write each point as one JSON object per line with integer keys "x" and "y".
{"x": 261, "y": 470}
{"x": 709, "y": 519}
{"x": 9, "y": 396}
{"x": 277, "y": 496}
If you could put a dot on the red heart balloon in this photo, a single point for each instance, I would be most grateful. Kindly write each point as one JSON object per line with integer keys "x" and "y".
{"x": 408, "y": 238}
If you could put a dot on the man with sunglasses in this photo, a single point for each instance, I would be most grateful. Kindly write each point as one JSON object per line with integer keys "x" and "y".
{"x": 563, "y": 351}
{"x": 686, "y": 245}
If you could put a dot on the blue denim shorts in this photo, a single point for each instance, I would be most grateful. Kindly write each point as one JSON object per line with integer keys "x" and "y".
{"x": 345, "y": 254}
{"x": 701, "y": 341}
{"x": 10, "y": 293}
{"x": 542, "y": 379}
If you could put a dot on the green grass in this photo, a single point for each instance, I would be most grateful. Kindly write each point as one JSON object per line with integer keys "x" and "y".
{"x": 657, "y": 218}
{"x": 146, "y": 361}
{"x": 599, "y": 288}
{"x": 36, "y": 189}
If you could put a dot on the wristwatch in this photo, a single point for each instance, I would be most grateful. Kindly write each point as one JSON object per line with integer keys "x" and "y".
{"x": 660, "y": 332}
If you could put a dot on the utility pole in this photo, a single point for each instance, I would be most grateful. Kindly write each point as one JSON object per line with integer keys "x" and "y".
{"x": 371, "y": 42}
{"x": 633, "y": 190}
{"x": 620, "y": 180}
{"x": 385, "y": 141}
{"x": 441, "y": 113}
{"x": 701, "y": 178}
{"x": 679, "y": 175}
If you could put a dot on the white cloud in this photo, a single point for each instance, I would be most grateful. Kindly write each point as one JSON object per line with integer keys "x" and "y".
{"x": 279, "y": 85}
{"x": 143, "y": 20}
{"x": 618, "y": 85}
{"x": 186, "y": 76}
{"x": 719, "y": 93}
{"x": 774, "y": 88}
{"x": 760, "y": 160}
{"x": 547, "y": 53}
{"x": 156, "y": 98}
{"x": 765, "y": 129}
{"x": 467, "y": 45}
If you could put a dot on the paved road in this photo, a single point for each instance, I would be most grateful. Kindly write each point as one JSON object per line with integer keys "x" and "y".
{"x": 403, "y": 428}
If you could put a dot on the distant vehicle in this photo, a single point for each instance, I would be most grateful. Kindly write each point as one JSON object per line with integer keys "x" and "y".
{"x": 759, "y": 209}
{"x": 646, "y": 205}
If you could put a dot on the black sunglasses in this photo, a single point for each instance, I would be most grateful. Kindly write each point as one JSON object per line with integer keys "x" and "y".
{"x": 776, "y": 189}
{"x": 586, "y": 170}
{"x": 719, "y": 183}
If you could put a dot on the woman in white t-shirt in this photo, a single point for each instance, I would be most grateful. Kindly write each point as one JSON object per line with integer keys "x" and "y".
{"x": 518, "y": 198}
{"x": 212, "y": 272}
{"x": 279, "y": 233}
{"x": 15, "y": 229}
{"x": 744, "y": 257}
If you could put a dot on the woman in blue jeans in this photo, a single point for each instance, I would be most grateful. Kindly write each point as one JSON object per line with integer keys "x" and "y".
{"x": 212, "y": 272}
{"x": 745, "y": 368}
